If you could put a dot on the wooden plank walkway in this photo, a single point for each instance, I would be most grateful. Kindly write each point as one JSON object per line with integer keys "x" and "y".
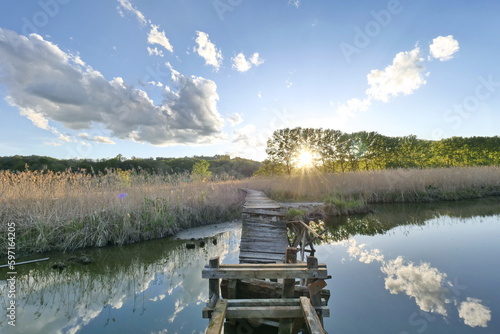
{"x": 263, "y": 240}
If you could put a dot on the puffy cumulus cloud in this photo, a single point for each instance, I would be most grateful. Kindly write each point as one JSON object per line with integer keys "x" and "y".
{"x": 158, "y": 37}
{"x": 474, "y": 313}
{"x": 207, "y": 50}
{"x": 47, "y": 84}
{"x": 235, "y": 119}
{"x": 443, "y": 47}
{"x": 127, "y": 5}
{"x": 242, "y": 64}
{"x": 404, "y": 76}
{"x": 422, "y": 282}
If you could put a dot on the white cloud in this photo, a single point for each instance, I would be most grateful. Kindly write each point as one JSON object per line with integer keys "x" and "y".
{"x": 235, "y": 119}
{"x": 125, "y": 4}
{"x": 295, "y": 3}
{"x": 158, "y": 37}
{"x": 443, "y": 48}
{"x": 474, "y": 313}
{"x": 249, "y": 141}
{"x": 242, "y": 64}
{"x": 256, "y": 60}
{"x": 404, "y": 76}
{"x": 207, "y": 50}
{"x": 103, "y": 140}
{"x": 363, "y": 255}
{"x": 47, "y": 84}
{"x": 422, "y": 282}
{"x": 155, "y": 52}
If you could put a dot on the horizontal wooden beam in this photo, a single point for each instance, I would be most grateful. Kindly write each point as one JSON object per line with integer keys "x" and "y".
{"x": 282, "y": 266}
{"x": 263, "y": 212}
{"x": 266, "y": 308}
{"x": 261, "y": 273}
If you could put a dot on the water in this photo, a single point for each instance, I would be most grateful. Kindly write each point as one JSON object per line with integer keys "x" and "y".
{"x": 405, "y": 269}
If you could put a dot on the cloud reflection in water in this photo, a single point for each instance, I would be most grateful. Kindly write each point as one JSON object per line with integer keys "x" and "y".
{"x": 426, "y": 284}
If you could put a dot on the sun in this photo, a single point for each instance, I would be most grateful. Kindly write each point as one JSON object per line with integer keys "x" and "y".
{"x": 305, "y": 159}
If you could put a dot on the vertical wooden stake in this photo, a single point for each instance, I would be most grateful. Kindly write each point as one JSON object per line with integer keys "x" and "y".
{"x": 213, "y": 284}
{"x": 288, "y": 290}
{"x": 312, "y": 263}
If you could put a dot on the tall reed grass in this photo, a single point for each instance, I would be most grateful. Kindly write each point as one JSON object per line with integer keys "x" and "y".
{"x": 72, "y": 210}
{"x": 68, "y": 210}
{"x": 382, "y": 186}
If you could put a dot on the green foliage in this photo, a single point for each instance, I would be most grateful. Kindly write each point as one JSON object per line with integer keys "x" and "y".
{"x": 200, "y": 171}
{"x": 341, "y": 152}
{"x": 223, "y": 167}
{"x": 294, "y": 214}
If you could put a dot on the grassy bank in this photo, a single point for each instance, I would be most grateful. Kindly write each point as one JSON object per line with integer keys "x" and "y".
{"x": 67, "y": 211}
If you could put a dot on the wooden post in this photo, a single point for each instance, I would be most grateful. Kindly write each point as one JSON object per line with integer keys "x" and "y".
{"x": 285, "y": 326}
{"x": 313, "y": 322}
{"x": 312, "y": 263}
{"x": 213, "y": 284}
{"x": 217, "y": 321}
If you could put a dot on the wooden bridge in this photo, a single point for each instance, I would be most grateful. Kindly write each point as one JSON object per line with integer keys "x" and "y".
{"x": 251, "y": 290}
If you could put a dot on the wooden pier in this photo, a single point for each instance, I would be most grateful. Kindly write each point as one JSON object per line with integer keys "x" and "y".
{"x": 250, "y": 290}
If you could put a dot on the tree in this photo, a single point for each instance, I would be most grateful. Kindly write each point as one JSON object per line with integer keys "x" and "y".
{"x": 200, "y": 171}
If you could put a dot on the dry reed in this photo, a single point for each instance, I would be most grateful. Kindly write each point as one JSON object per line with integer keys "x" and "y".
{"x": 72, "y": 210}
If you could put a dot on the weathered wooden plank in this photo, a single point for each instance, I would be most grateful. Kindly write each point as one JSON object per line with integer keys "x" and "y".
{"x": 272, "y": 312}
{"x": 263, "y": 212}
{"x": 218, "y": 316}
{"x": 269, "y": 259}
{"x": 264, "y": 247}
{"x": 283, "y": 266}
{"x": 245, "y": 273}
{"x": 264, "y": 302}
{"x": 285, "y": 325}
{"x": 313, "y": 322}
{"x": 264, "y": 256}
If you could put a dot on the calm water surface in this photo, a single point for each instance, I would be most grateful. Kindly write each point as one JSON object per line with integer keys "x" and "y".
{"x": 405, "y": 269}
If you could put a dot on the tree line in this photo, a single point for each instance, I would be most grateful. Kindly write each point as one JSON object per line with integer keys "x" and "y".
{"x": 217, "y": 165}
{"x": 337, "y": 151}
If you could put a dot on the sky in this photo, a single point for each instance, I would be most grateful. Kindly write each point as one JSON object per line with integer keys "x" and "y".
{"x": 157, "y": 78}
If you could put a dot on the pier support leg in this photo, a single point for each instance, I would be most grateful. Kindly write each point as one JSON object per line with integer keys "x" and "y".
{"x": 213, "y": 284}
{"x": 285, "y": 326}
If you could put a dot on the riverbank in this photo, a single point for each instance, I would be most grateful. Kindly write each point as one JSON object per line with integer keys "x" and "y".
{"x": 68, "y": 211}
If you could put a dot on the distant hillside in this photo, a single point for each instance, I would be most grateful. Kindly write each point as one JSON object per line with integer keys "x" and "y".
{"x": 219, "y": 164}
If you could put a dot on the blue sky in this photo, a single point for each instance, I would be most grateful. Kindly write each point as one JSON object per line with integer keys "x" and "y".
{"x": 150, "y": 78}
